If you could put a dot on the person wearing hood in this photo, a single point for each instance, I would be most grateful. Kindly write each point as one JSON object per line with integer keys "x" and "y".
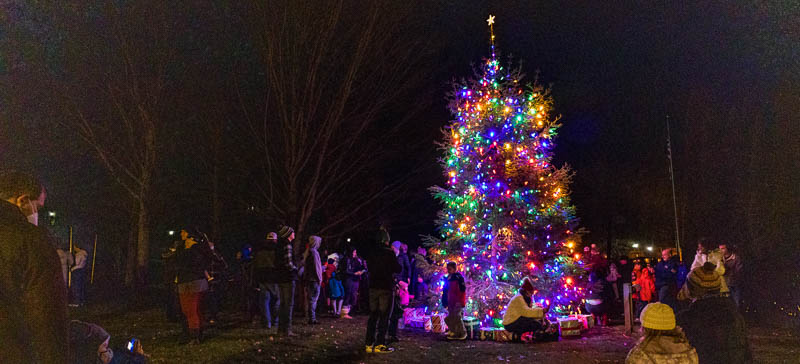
{"x": 712, "y": 322}
{"x": 522, "y": 313}
{"x": 663, "y": 342}
{"x": 312, "y": 277}
{"x": 33, "y": 297}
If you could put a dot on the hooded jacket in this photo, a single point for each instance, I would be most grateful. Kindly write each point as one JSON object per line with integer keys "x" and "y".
{"x": 662, "y": 350}
{"x": 454, "y": 291}
{"x": 33, "y": 303}
{"x": 384, "y": 267}
{"x": 312, "y": 263}
{"x": 717, "y": 330}
{"x": 647, "y": 287}
{"x": 517, "y": 308}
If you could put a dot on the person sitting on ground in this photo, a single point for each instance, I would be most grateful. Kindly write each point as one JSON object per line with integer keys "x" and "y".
{"x": 454, "y": 297}
{"x": 712, "y": 322}
{"x": 523, "y": 314}
{"x": 663, "y": 342}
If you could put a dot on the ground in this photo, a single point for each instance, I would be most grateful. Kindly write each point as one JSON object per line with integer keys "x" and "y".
{"x": 341, "y": 341}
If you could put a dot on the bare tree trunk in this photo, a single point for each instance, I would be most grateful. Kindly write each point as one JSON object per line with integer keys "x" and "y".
{"x": 142, "y": 245}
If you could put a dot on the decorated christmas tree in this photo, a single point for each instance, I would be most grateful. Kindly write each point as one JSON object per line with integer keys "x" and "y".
{"x": 506, "y": 209}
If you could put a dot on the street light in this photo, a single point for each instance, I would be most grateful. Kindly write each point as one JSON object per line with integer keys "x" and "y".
{"x": 171, "y": 232}
{"x": 635, "y": 245}
{"x": 348, "y": 240}
{"x": 51, "y": 214}
{"x": 649, "y": 248}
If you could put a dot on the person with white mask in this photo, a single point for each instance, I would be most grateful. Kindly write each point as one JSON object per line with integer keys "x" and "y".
{"x": 33, "y": 324}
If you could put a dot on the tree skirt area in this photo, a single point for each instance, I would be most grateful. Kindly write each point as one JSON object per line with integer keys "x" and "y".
{"x": 341, "y": 341}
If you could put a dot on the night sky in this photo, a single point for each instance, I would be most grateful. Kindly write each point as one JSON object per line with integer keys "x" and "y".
{"x": 726, "y": 74}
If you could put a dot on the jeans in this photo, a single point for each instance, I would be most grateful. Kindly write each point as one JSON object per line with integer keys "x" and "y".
{"x": 397, "y": 314}
{"x": 286, "y": 305}
{"x": 454, "y": 321}
{"x": 79, "y": 286}
{"x": 736, "y": 294}
{"x": 380, "y": 307}
{"x": 312, "y": 293}
{"x": 666, "y": 295}
{"x": 350, "y": 292}
{"x": 523, "y": 325}
{"x": 270, "y": 302}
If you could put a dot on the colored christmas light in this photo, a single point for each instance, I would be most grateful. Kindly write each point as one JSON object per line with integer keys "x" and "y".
{"x": 506, "y": 208}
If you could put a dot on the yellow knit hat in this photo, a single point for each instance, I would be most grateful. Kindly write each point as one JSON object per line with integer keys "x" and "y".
{"x": 658, "y": 316}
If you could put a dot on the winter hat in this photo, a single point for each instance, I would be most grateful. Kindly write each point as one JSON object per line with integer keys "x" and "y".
{"x": 285, "y": 231}
{"x": 658, "y": 316}
{"x": 397, "y": 245}
{"x": 272, "y": 236}
{"x": 704, "y": 280}
{"x": 527, "y": 285}
{"x": 85, "y": 338}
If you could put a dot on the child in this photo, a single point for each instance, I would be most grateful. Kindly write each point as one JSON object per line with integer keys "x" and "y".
{"x": 335, "y": 289}
{"x": 663, "y": 342}
{"x": 454, "y": 298}
{"x": 647, "y": 287}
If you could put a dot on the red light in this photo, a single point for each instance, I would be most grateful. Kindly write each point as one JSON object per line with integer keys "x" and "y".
{"x": 577, "y": 256}
{"x": 569, "y": 280}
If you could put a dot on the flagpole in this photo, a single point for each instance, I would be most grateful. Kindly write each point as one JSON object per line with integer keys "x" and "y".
{"x": 94, "y": 255}
{"x": 674, "y": 200}
{"x": 69, "y": 272}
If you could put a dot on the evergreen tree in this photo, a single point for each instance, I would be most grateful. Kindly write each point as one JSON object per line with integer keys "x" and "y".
{"x": 506, "y": 209}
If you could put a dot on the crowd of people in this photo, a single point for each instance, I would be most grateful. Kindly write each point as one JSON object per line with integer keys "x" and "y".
{"x": 688, "y": 315}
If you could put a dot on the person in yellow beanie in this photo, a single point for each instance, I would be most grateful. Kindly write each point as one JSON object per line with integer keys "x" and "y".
{"x": 663, "y": 342}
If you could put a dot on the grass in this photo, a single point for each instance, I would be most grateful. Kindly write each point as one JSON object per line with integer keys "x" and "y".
{"x": 341, "y": 341}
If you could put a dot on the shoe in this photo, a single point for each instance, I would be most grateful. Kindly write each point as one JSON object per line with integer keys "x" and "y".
{"x": 450, "y": 334}
{"x": 462, "y": 337}
{"x": 382, "y": 349}
{"x": 345, "y": 316}
{"x": 369, "y": 349}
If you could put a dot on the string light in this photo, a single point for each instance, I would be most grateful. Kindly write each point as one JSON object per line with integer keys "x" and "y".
{"x": 505, "y": 208}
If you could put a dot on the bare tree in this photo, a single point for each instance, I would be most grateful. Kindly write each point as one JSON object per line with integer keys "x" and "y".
{"x": 113, "y": 89}
{"x": 332, "y": 72}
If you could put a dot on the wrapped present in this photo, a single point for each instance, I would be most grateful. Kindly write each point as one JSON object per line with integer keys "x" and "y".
{"x": 428, "y": 324}
{"x": 486, "y": 333}
{"x": 586, "y": 320}
{"x": 569, "y": 323}
{"x": 501, "y": 335}
{"x": 473, "y": 327}
{"x": 413, "y": 314}
{"x": 437, "y": 323}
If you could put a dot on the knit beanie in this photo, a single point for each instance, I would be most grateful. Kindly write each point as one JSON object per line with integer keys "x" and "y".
{"x": 527, "y": 285}
{"x": 285, "y": 231}
{"x": 704, "y": 280}
{"x": 658, "y": 316}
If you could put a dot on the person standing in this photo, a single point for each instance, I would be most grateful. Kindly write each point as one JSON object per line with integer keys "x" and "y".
{"x": 286, "y": 276}
{"x": 33, "y": 298}
{"x": 265, "y": 280}
{"x": 78, "y": 276}
{"x": 712, "y": 322}
{"x": 312, "y": 277}
{"x": 381, "y": 284}
{"x": 193, "y": 277}
{"x": 218, "y": 269}
{"x": 733, "y": 272}
{"x": 454, "y": 298}
{"x": 667, "y": 279}
{"x": 353, "y": 270}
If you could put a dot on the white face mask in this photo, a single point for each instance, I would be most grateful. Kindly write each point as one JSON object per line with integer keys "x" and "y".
{"x": 33, "y": 218}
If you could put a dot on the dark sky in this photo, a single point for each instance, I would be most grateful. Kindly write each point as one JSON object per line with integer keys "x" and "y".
{"x": 726, "y": 73}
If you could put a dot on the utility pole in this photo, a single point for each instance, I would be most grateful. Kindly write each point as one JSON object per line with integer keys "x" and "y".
{"x": 674, "y": 200}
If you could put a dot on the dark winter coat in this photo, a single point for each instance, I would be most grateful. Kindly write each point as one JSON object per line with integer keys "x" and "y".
{"x": 384, "y": 267}
{"x": 454, "y": 292}
{"x": 192, "y": 263}
{"x": 717, "y": 330}
{"x": 405, "y": 264}
{"x": 264, "y": 262}
{"x": 286, "y": 270}
{"x": 733, "y": 270}
{"x": 351, "y": 266}
{"x": 666, "y": 273}
{"x": 33, "y": 303}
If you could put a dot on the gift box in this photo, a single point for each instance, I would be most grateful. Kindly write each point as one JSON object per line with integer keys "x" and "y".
{"x": 569, "y": 323}
{"x": 566, "y": 333}
{"x": 413, "y": 314}
{"x": 473, "y": 327}
{"x": 586, "y": 320}
{"x": 437, "y": 323}
{"x": 428, "y": 324}
{"x": 486, "y": 333}
{"x": 501, "y": 335}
